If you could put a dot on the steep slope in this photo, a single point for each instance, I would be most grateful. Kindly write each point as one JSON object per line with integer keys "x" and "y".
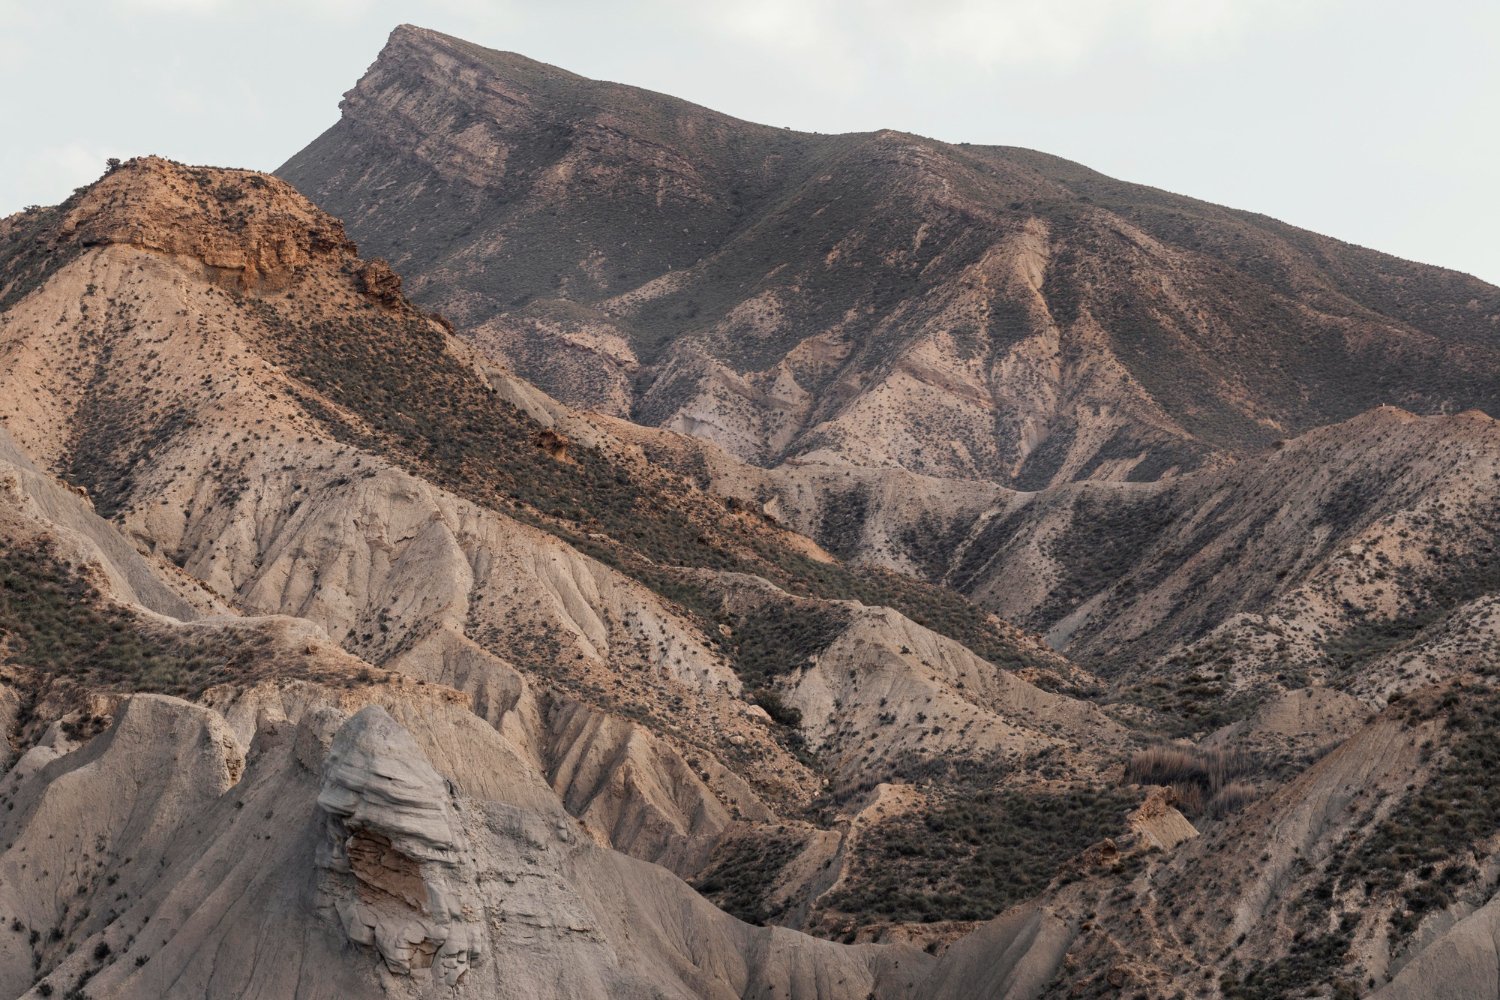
{"x": 264, "y": 416}
{"x": 1380, "y": 525}
{"x": 877, "y": 299}
{"x": 912, "y": 352}
{"x": 391, "y": 820}
{"x": 400, "y": 789}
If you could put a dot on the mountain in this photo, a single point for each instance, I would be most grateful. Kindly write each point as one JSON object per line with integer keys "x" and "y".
{"x": 880, "y": 299}
{"x": 263, "y": 515}
{"x": 1161, "y": 432}
{"x": 340, "y": 659}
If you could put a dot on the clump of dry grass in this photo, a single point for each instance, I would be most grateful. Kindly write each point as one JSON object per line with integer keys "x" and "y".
{"x": 1231, "y": 798}
{"x": 1188, "y": 798}
{"x": 1203, "y": 782}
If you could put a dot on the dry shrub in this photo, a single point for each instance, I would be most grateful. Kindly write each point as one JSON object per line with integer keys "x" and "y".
{"x": 1188, "y": 797}
{"x": 1231, "y": 798}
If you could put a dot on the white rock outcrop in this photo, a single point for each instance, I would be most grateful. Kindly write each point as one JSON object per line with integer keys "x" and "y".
{"x": 390, "y": 828}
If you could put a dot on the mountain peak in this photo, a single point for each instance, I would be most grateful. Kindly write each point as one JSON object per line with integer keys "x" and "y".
{"x": 414, "y": 39}
{"x": 249, "y": 228}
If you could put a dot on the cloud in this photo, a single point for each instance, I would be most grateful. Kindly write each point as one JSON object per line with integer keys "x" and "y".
{"x": 1060, "y": 34}
{"x": 170, "y": 6}
{"x": 322, "y": 8}
{"x": 15, "y": 20}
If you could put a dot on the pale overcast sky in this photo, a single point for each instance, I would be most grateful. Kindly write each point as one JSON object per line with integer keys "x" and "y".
{"x": 1377, "y": 122}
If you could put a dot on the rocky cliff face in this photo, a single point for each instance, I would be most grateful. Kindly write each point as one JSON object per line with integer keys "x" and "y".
{"x": 243, "y": 226}
{"x": 875, "y": 300}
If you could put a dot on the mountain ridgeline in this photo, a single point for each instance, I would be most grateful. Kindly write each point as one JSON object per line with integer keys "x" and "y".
{"x": 879, "y": 298}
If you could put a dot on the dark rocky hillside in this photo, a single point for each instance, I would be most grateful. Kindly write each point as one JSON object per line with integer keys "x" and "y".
{"x": 864, "y": 296}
